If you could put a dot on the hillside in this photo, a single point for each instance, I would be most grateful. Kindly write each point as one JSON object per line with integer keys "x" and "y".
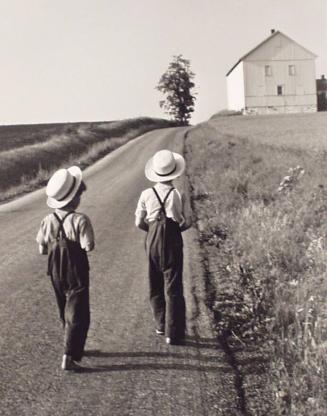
{"x": 259, "y": 197}
{"x": 30, "y": 153}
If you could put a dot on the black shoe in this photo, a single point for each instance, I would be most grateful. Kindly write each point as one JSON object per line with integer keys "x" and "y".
{"x": 69, "y": 364}
{"x": 175, "y": 341}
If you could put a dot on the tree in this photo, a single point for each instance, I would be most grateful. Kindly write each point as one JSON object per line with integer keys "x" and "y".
{"x": 176, "y": 83}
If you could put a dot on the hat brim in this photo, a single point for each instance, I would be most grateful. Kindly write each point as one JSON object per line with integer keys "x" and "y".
{"x": 154, "y": 177}
{"x": 77, "y": 173}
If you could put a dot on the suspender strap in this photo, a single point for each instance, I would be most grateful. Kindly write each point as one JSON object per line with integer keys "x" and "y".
{"x": 61, "y": 223}
{"x": 168, "y": 193}
{"x": 162, "y": 203}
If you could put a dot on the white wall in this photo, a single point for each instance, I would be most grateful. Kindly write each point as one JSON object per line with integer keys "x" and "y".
{"x": 235, "y": 88}
{"x": 298, "y": 90}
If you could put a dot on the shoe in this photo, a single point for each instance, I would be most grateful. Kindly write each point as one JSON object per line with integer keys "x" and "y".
{"x": 174, "y": 341}
{"x": 160, "y": 332}
{"x": 69, "y": 364}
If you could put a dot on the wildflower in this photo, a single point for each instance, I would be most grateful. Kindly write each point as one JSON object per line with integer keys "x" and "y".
{"x": 289, "y": 181}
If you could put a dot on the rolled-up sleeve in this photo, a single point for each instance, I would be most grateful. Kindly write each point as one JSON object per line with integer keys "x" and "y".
{"x": 86, "y": 235}
{"x": 40, "y": 237}
{"x": 140, "y": 211}
{"x": 176, "y": 207}
{"x": 187, "y": 212}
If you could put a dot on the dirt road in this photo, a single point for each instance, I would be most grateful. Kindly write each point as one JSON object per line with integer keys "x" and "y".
{"x": 128, "y": 370}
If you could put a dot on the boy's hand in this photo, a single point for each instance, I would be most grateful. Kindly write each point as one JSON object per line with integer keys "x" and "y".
{"x": 185, "y": 226}
{"x": 43, "y": 249}
{"x": 141, "y": 224}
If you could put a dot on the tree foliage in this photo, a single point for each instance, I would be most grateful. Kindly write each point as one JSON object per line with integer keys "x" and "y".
{"x": 176, "y": 83}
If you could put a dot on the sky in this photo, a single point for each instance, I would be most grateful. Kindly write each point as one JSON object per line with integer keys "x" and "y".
{"x": 101, "y": 60}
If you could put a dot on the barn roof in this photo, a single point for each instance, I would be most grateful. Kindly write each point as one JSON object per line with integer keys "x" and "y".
{"x": 275, "y": 33}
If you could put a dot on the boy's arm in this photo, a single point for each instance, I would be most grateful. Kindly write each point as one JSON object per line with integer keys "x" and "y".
{"x": 187, "y": 214}
{"x": 43, "y": 247}
{"x": 86, "y": 234}
{"x": 140, "y": 215}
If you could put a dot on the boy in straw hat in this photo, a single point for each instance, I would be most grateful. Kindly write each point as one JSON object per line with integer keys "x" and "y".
{"x": 66, "y": 236}
{"x": 161, "y": 212}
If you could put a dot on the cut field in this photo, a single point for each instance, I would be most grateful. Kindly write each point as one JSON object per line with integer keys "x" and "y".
{"x": 29, "y": 154}
{"x": 299, "y": 131}
{"x": 12, "y": 137}
{"x": 260, "y": 200}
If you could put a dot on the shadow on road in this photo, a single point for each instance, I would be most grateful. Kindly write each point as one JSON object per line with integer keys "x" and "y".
{"x": 153, "y": 366}
{"x": 189, "y": 357}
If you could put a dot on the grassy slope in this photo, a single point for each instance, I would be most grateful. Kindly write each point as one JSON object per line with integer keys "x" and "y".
{"x": 30, "y": 154}
{"x": 264, "y": 251}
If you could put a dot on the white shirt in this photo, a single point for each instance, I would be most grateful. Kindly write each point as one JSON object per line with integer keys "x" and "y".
{"x": 148, "y": 206}
{"x": 77, "y": 227}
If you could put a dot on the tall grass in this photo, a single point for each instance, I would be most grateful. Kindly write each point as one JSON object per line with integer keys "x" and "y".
{"x": 261, "y": 213}
{"x": 24, "y": 167}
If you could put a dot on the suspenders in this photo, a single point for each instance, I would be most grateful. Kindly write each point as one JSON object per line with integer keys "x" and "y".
{"x": 162, "y": 203}
{"x": 161, "y": 224}
{"x": 61, "y": 225}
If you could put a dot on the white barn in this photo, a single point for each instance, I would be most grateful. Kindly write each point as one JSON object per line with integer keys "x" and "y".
{"x": 277, "y": 76}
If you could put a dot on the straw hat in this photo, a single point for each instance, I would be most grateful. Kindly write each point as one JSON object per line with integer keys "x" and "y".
{"x": 164, "y": 166}
{"x": 63, "y": 186}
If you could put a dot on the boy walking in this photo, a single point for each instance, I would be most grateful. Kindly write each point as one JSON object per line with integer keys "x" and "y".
{"x": 161, "y": 212}
{"x": 66, "y": 236}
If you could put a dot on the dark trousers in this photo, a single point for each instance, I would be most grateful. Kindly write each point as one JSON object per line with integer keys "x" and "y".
{"x": 74, "y": 312}
{"x": 165, "y": 254}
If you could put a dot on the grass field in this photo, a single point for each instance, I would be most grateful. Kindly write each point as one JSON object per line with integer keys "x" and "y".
{"x": 305, "y": 131}
{"x": 29, "y": 154}
{"x": 260, "y": 198}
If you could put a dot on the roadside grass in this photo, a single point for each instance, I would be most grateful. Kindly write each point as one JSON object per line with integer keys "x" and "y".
{"x": 37, "y": 151}
{"x": 261, "y": 214}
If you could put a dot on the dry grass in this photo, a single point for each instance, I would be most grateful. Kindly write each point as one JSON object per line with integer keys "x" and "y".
{"x": 30, "y": 154}
{"x": 260, "y": 198}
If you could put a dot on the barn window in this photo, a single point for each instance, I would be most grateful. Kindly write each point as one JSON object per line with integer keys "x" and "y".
{"x": 268, "y": 71}
{"x": 291, "y": 70}
{"x": 279, "y": 90}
